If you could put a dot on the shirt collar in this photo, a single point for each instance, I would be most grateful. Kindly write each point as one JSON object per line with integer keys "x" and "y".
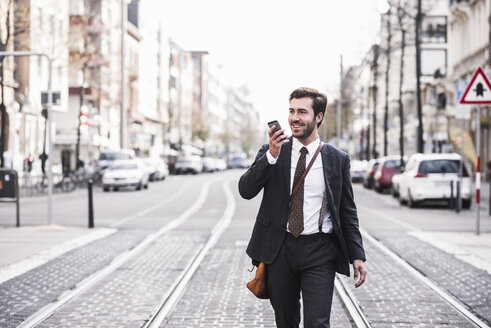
{"x": 311, "y": 147}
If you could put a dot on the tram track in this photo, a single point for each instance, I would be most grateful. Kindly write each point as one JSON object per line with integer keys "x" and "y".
{"x": 172, "y": 295}
{"x": 47, "y": 311}
{"x": 355, "y": 309}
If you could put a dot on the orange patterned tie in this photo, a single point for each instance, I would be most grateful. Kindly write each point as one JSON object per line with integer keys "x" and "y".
{"x": 295, "y": 222}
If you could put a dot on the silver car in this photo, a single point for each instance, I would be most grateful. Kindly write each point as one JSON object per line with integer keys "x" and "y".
{"x": 125, "y": 173}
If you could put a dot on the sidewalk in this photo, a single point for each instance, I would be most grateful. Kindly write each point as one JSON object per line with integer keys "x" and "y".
{"x": 25, "y": 248}
{"x": 466, "y": 246}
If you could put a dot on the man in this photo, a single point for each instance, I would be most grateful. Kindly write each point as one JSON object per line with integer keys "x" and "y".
{"x": 305, "y": 241}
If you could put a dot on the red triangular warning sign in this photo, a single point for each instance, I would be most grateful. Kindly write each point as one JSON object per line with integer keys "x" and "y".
{"x": 479, "y": 90}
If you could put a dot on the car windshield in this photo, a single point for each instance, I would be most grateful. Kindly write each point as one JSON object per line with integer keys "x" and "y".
{"x": 124, "y": 167}
{"x": 440, "y": 166}
{"x": 393, "y": 164}
{"x": 113, "y": 156}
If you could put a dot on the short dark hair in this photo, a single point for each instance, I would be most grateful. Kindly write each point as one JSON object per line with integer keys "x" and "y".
{"x": 319, "y": 100}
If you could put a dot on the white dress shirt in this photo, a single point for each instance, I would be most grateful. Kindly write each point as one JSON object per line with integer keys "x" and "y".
{"x": 314, "y": 187}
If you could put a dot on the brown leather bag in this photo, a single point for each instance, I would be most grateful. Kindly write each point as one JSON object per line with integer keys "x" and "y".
{"x": 259, "y": 285}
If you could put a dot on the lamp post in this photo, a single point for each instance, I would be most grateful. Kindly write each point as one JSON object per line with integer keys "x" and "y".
{"x": 49, "y": 104}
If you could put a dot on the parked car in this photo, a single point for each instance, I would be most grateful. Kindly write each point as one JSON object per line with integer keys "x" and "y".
{"x": 156, "y": 168}
{"x": 162, "y": 169}
{"x": 209, "y": 164}
{"x": 221, "y": 164}
{"x": 388, "y": 166}
{"x": 369, "y": 173}
{"x": 189, "y": 164}
{"x": 151, "y": 168}
{"x": 107, "y": 157}
{"x": 125, "y": 173}
{"x": 394, "y": 190}
{"x": 428, "y": 177}
{"x": 357, "y": 169}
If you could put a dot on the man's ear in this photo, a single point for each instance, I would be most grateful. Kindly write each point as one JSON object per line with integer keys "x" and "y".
{"x": 319, "y": 117}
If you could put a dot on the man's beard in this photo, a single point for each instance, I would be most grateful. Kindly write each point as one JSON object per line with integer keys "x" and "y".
{"x": 309, "y": 128}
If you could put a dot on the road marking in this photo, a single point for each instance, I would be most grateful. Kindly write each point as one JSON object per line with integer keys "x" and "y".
{"x": 455, "y": 303}
{"x": 389, "y": 218}
{"x": 16, "y": 269}
{"x": 45, "y": 312}
{"x": 150, "y": 209}
{"x": 173, "y": 295}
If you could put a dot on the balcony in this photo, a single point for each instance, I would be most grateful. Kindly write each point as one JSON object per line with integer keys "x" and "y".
{"x": 452, "y": 2}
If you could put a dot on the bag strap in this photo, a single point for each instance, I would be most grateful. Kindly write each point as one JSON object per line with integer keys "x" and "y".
{"x": 302, "y": 177}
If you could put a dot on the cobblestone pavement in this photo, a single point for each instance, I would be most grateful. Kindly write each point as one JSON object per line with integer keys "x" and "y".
{"x": 393, "y": 298}
{"x": 128, "y": 296}
{"x": 217, "y": 295}
{"x": 22, "y": 296}
{"x": 467, "y": 283}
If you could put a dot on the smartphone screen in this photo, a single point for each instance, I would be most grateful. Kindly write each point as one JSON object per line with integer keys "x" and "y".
{"x": 276, "y": 124}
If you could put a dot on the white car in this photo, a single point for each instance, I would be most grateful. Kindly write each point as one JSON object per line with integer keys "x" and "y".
{"x": 125, "y": 173}
{"x": 189, "y": 164}
{"x": 429, "y": 176}
{"x": 157, "y": 168}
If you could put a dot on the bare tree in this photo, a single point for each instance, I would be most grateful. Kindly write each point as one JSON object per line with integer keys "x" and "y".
{"x": 387, "y": 73}
{"x": 400, "y": 19}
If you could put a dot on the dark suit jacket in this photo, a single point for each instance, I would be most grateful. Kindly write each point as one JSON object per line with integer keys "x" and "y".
{"x": 272, "y": 218}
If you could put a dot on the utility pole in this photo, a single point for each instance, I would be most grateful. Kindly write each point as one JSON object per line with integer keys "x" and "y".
{"x": 400, "y": 16}
{"x": 387, "y": 70}
{"x": 123, "y": 120}
{"x": 77, "y": 146}
{"x": 3, "y": 113}
{"x": 339, "y": 100}
{"x": 367, "y": 133}
{"x": 376, "y": 52}
{"x": 420, "y": 141}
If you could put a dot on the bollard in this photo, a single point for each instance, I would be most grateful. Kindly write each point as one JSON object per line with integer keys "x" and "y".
{"x": 459, "y": 200}
{"x": 451, "y": 202}
{"x": 91, "y": 206}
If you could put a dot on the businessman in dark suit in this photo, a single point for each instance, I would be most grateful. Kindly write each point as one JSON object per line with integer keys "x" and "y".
{"x": 306, "y": 241}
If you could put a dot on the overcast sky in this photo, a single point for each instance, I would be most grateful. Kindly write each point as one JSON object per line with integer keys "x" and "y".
{"x": 276, "y": 46}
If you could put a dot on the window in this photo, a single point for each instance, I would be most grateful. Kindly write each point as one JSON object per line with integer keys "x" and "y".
{"x": 434, "y": 29}
{"x": 440, "y": 166}
{"x": 433, "y": 60}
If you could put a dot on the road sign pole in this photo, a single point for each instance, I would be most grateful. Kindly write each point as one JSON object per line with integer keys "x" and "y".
{"x": 478, "y": 170}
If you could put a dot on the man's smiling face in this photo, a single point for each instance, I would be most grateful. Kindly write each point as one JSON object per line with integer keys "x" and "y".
{"x": 302, "y": 119}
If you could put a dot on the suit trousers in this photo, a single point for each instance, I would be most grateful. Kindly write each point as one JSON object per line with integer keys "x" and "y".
{"x": 305, "y": 265}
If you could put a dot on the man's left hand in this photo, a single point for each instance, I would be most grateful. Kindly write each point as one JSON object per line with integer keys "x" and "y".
{"x": 360, "y": 272}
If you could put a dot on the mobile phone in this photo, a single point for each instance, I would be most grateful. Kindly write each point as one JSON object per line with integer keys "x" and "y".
{"x": 276, "y": 124}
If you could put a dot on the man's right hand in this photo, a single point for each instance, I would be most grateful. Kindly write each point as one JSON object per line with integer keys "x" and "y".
{"x": 276, "y": 140}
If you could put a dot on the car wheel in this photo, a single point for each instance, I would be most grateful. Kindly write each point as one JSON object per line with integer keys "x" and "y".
{"x": 145, "y": 186}
{"x": 116, "y": 188}
{"x": 410, "y": 202}
{"x": 466, "y": 204}
{"x": 139, "y": 187}
{"x": 105, "y": 188}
